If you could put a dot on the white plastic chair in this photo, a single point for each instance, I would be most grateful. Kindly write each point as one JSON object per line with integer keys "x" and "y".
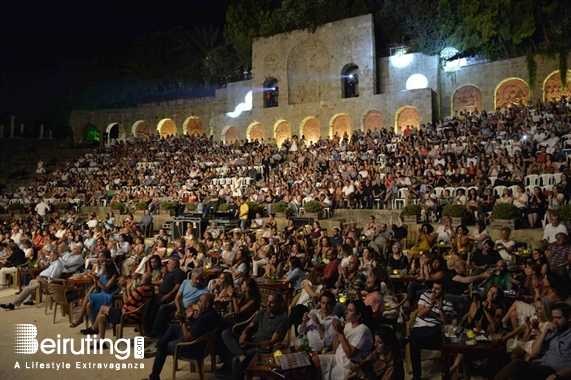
{"x": 531, "y": 180}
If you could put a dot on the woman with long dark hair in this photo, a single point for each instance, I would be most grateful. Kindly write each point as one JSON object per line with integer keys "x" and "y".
{"x": 106, "y": 284}
{"x": 353, "y": 341}
{"x": 384, "y": 363}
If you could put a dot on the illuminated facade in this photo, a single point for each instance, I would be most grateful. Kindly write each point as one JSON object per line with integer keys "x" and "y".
{"x": 329, "y": 83}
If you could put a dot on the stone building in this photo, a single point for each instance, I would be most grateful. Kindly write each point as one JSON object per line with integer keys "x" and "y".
{"x": 328, "y": 82}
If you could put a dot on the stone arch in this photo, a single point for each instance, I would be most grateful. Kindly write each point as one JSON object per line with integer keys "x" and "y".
{"x": 271, "y": 92}
{"x": 350, "y": 81}
{"x": 141, "y": 130}
{"x": 282, "y": 131}
{"x": 467, "y": 98}
{"x": 192, "y": 126}
{"x": 305, "y": 73}
{"x": 340, "y": 124}
{"x": 310, "y": 129}
{"x": 373, "y": 119}
{"x": 166, "y": 127}
{"x": 229, "y": 134}
{"x": 511, "y": 92}
{"x": 115, "y": 132}
{"x": 552, "y": 86}
{"x": 406, "y": 115}
{"x": 255, "y": 131}
{"x": 91, "y": 134}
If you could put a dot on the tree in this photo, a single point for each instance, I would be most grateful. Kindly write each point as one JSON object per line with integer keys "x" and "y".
{"x": 163, "y": 59}
{"x": 247, "y": 19}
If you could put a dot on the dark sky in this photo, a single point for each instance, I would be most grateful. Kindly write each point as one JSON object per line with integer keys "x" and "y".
{"x": 42, "y": 42}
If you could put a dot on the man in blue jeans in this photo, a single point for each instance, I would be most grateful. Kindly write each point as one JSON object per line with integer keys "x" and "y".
{"x": 204, "y": 320}
{"x": 270, "y": 326}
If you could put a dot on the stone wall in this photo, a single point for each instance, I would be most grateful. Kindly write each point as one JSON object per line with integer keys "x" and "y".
{"x": 308, "y": 67}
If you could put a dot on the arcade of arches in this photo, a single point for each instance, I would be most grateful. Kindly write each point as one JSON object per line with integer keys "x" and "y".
{"x": 469, "y": 97}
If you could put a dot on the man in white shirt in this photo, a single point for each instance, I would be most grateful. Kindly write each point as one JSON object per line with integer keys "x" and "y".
{"x": 53, "y": 271}
{"x": 41, "y": 209}
{"x": 317, "y": 324}
{"x": 16, "y": 234}
{"x": 551, "y": 230}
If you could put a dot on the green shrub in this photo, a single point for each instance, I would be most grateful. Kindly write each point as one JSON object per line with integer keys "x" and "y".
{"x": 411, "y": 210}
{"x": 223, "y": 207}
{"x": 117, "y": 206}
{"x": 312, "y": 207}
{"x": 253, "y": 208}
{"x": 166, "y": 206}
{"x": 506, "y": 211}
{"x": 191, "y": 206}
{"x": 62, "y": 206}
{"x": 454, "y": 211}
{"x": 564, "y": 213}
{"x": 140, "y": 206}
{"x": 281, "y": 207}
{"x": 15, "y": 206}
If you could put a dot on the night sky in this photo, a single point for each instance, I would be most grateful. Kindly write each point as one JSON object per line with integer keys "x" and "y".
{"x": 43, "y": 41}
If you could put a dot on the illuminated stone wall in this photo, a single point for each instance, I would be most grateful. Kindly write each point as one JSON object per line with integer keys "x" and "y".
{"x": 308, "y": 68}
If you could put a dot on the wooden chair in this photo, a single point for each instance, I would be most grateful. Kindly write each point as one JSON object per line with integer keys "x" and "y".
{"x": 238, "y": 327}
{"x": 44, "y": 289}
{"x": 66, "y": 297}
{"x": 209, "y": 338}
{"x": 409, "y": 326}
{"x": 15, "y": 277}
{"x": 289, "y": 309}
{"x": 398, "y": 300}
{"x": 118, "y": 328}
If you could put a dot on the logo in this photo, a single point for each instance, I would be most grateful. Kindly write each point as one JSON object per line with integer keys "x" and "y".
{"x": 25, "y": 343}
{"x": 25, "y": 339}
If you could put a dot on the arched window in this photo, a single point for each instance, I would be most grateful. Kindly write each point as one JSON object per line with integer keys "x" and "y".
{"x": 350, "y": 81}
{"x": 271, "y": 92}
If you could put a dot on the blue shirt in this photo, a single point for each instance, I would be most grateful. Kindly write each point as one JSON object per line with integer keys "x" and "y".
{"x": 558, "y": 354}
{"x": 191, "y": 294}
{"x": 295, "y": 277}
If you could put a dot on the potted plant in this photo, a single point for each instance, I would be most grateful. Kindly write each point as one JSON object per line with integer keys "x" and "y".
{"x": 16, "y": 207}
{"x": 410, "y": 213}
{"x": 564, "y": 213}
{"x": 505, "y": 215}
{"x": 167, "y": 207}
{"x": 191, "y": 207}
{"x": 280, "y": 209}
{"x": 456, "y": 212}
{"x": 118, "y": 207}
{"x": 223, "y": 207}
{"x": 253, "y": 208}
{"x": 62, "y": 206}
{"x": 140, "y": 207}
{"x": 312, "y": 209}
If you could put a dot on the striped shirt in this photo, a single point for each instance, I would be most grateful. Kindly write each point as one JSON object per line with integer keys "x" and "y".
{"x": 138, "y": 297}
{"x": 432, "y": 318}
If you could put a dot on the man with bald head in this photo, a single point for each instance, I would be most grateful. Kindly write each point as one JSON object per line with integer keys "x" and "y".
{"x": 499, "y": 276}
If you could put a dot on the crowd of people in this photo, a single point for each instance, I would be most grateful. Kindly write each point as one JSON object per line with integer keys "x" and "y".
{"x": 342, "y": 275}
